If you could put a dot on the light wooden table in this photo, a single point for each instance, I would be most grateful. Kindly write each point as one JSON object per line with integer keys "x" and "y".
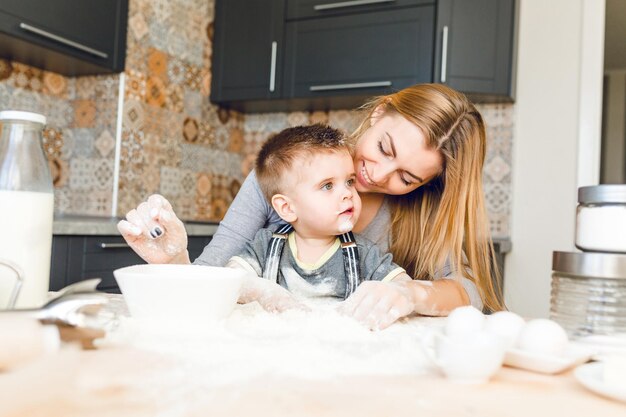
{"x": 125, "y": 382}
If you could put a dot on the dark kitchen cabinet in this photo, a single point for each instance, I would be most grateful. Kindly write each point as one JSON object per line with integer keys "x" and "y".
{"x": 358, "y": 55}
{"x": 70, "y": 37}
{"x": 247, "y": 50}
{"x": 76, "y": 258}
{"x": 299, "y": 9}
{"x": 335, "y": 54}
{"x": 475, "y": 47}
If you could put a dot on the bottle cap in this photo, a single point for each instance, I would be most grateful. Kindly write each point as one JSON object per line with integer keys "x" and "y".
{"x": 23, "y": 115}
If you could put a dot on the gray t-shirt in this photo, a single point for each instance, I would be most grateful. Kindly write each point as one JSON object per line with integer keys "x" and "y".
{"x": 324, "y": 279}
{"x": 250, "y": 212}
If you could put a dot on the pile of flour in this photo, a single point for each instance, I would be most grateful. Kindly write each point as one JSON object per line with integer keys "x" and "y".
{"x": 251, "y": 343}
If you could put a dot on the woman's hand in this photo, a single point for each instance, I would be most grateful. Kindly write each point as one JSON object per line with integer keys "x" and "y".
{"x": 155, "y": 233}
{"x": 379, "y": 304}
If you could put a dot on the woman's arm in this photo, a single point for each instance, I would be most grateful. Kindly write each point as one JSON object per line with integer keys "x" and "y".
{"x": 379, "y": 304}
{"x": 248, "y": 213}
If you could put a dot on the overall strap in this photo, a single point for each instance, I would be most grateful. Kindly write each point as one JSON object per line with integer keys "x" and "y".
{"x": 274, "y": 250}
{"x": 350, "y": 262}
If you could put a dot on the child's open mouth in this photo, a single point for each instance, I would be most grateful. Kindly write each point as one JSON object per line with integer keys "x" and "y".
{"x": 346, "y": 212}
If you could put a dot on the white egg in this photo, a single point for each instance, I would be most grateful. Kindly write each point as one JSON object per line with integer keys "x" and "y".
{"x": 505, "y": 324}
{"x": 543, "y": 336}
{"x": 464, "y": 320}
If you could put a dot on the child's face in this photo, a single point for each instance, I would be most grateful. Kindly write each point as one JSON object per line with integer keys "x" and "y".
{"x": 323, "y": 195}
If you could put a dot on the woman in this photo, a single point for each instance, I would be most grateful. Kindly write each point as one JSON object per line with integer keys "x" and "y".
{"x": 418, "y": 155}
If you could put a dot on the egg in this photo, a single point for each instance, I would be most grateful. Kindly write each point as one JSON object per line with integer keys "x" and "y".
{"x": 543, "y": 336}
{"x": 464, "y": 320}
{"x": 506, "y": 325}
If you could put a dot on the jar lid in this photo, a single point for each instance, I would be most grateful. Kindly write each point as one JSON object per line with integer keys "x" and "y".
{"x": 590, "y": 264}
{"x": 606, "y": 193}
{"x": 23, "y": 115}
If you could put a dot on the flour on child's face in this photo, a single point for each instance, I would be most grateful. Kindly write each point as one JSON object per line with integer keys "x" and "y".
{"x": 324, "y": 198}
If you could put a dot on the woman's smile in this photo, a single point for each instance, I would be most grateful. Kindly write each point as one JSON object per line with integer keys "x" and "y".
{"x": 364, "y": 177}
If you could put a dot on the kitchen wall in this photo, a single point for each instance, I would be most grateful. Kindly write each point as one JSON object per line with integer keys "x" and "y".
{"x": 557, "y": 131}
{"x": 169, "y": 139}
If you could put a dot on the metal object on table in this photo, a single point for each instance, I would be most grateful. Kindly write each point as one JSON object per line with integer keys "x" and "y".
{"x": 588, "y": 294}
{"x": 72, "y": 310}
{"x": 69, "y": 304}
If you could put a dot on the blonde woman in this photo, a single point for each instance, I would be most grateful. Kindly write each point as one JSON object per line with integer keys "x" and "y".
{"x": 418, "y": 155}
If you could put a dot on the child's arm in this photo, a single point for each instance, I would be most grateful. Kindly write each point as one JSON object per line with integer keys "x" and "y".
{"x": 271, "y": 296}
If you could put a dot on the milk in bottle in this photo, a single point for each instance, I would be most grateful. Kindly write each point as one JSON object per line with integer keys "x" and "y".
{"x": 26, "y": 209}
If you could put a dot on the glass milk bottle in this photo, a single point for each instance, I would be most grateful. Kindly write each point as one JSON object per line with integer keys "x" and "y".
{"x": 26, "y": 210}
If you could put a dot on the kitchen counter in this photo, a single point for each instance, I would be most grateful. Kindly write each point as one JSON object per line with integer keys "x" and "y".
{"x": 107, "y": 226}
{"x": 122, "y": 382}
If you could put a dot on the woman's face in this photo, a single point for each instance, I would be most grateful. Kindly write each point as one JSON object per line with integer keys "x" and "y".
{"x": 391, "y": 157}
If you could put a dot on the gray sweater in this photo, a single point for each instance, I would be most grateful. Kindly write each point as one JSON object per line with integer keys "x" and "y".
{"x": 250, "y": 212}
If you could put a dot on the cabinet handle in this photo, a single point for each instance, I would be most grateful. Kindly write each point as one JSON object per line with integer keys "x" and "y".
{"x": 114, "y": 245}
{"x": 273, "y": 68}
{"x": 353, "y": 3}
{"x": 353, "y": 86}
{"x": 444, "y": 54}
{"x": 62, "y": 40}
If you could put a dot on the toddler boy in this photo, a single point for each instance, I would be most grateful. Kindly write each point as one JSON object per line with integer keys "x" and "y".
{"x": 307, "y": 175}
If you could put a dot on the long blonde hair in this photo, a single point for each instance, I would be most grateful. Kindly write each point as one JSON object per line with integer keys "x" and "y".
{"x": 444, "y": 221}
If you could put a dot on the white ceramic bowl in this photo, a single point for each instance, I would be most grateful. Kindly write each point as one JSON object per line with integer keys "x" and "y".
{"x": 179, "y": 294}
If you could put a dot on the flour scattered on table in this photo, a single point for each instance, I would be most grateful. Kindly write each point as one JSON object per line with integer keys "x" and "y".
{"x": 252, "y": 342}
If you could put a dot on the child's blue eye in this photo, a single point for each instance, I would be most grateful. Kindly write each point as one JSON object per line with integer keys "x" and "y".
{"x": 328, "y": 186}
{"x": 350, "y": 182}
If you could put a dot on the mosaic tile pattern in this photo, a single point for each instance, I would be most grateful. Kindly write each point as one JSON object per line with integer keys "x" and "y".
{"x": 79, "y": 138}
{"x": 173, "y": 141}
{"x": 497, "y": 170}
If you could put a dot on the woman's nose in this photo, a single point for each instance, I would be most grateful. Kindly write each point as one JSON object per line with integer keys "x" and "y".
{"x": 381, "y": 173}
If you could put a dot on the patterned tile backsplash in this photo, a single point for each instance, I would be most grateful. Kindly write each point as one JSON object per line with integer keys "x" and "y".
{"x": 173, "y": 141}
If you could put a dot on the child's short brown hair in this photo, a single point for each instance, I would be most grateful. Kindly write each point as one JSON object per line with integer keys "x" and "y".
{"x": 278, "y": 153}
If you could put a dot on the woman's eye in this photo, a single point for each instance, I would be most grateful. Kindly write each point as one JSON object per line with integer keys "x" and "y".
{"x": 327, "y": 186}
{"x": 381, "y": 149}
{"x": 407, "y": 183}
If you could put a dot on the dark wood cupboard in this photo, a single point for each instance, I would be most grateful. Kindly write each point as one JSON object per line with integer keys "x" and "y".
{"x": 321, "y": 54}
{"x": 70, "y": 37}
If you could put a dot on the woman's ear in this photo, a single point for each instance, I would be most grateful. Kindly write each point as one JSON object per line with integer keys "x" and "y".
{"x": 282, "y": 205}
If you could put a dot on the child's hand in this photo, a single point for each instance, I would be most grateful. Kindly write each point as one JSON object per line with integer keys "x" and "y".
{"x": 155, "y": 233}
{"x": 271, "y": 296}
{"x": 379, "y": 304}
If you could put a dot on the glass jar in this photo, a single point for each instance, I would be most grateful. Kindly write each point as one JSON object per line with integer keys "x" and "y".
{"x": 588, "y": 295}
{"x": 601, "y": 218}
{"x": 26, "y": 211}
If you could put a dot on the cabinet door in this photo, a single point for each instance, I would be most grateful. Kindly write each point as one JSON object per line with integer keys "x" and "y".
{"x": 359, "y": 54}
{"x": 47, "y": 33}
{"x": 247, "y": 49}
{"x": 474, "y": 50}
{"x": 298, "y": 9}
